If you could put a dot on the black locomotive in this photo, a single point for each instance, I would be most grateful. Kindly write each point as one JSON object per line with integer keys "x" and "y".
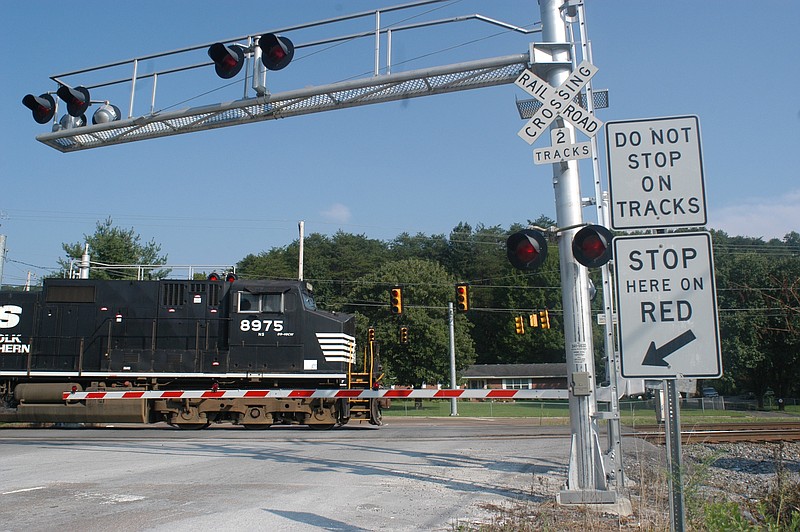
{"x": 94, "y": 335}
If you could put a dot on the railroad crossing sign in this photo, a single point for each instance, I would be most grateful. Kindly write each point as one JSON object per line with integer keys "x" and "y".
{"x": 558, "y": 102}
{"x": 667, "y": 306}
{"x": 655, "y": 173}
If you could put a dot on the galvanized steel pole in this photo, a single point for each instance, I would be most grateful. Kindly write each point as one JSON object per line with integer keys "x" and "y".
{"x": 586, "y": 482}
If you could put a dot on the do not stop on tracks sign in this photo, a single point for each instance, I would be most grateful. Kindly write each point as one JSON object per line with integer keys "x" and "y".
{"x": 655, "y": 173}
{"x": 667, "y": 306}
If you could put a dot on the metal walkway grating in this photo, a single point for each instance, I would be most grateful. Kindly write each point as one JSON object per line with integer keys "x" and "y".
{"x": 412, "y": 84}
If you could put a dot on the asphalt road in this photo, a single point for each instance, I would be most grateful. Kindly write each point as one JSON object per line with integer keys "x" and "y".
{"x": 409, "y": 475}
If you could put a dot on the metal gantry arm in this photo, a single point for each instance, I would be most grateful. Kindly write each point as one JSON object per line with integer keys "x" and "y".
{"x": 259, "y": 105}
{"x": 411, "y": 84}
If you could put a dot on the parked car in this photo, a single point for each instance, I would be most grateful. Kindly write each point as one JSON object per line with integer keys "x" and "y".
{"x": 709, "y": 391}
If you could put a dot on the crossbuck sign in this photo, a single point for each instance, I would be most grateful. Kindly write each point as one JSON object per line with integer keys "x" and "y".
{"x": 558, "y": 102}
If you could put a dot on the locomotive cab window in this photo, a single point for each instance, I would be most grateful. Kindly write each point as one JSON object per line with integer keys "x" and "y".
{"x": 308, "y": 301}
{"x": 255, "y": 303}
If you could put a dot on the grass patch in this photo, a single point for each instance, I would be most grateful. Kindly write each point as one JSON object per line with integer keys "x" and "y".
{"x": 442, "y": 408}
{"x": 632, "y": 413}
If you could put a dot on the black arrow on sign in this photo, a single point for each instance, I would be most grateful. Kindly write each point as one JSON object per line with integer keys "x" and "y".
{"x": 655, "y": 355}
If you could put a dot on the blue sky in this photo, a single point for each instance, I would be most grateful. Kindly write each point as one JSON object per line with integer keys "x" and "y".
{"x": 213, "y": 197}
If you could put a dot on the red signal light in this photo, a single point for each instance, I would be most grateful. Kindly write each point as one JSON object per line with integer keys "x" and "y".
{"x": 396, "y": 300}
{"x": 228, "y": 60}
{"x": 214, "y": 276}
{"x": 592, "y": 246}
{"x": 43, "y": 107}
{"x": 231, "y": 277}
{"x": 462, "y": 297}
{"x": 276, "y": 51}
{"x": 77, "y": 99}
{"x": 526, "y": 249}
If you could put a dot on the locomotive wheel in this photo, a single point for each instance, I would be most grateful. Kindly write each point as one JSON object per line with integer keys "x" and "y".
{"x": 321, "y": 426}
{"x": 191, "y": 426}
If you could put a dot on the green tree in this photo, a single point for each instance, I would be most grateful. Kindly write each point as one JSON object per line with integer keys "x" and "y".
{"x": 757, "y": 293}
{"x": 419, "y": 246}
{"x": 112, "y": 246}
{"x": 331, "y": 264}
{"x": 427, "y": 288}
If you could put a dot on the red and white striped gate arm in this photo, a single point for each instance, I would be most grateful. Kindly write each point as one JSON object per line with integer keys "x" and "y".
{"x": 319, "y": 394}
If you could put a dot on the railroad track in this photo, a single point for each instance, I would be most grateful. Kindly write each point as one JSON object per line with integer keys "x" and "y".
{"x": 724, "y": 432}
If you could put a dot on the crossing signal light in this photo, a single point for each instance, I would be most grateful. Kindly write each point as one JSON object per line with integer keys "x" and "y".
{"x": 526, "y": 249}
{"x": 228, "y": 59}
{"x": 371, "y": 334}
{"x": 77, "y": 99}
{"x": 43, "y": 107}
{"x": 403, "y": 335}
{"x": 462, "y": 297}
{"x": 396, "y": 300}
{"x": 519, "y": 325}
{"x": 276, "y": 51}
{"x": 106, "y": 113}
{"x": 544, "y": 319}
{"x": 592, "y": 246}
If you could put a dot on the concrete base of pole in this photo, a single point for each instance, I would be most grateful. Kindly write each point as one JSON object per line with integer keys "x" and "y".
{"x": 596, "y": 500}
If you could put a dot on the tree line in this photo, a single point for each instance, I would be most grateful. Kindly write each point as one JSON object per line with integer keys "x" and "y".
{"x": 758, "y": 292}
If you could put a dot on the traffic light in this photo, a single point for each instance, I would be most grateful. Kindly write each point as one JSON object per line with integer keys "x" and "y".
{"x": 371, "y": 335}
{"x": 462, "y": 297}
{"x": 403, "y": 335}
{"x": 214, "y": 276}
{"x": 43, "y": 107}
{"x": 396, "y": 300}
{"x": 228, "y": 59}
{"x": 592, "y": 246}
{"x": 77, "y": 99}
{"x": 276, "y": 51}
{"x": 533, "y": 320}
{"x": 544, "y": 319}
{"x": 526, "y": 249}
{"x": 519, "y": 325}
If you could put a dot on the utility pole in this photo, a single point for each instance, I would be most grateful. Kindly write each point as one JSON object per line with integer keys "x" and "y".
{"x": 301, "y": 226}
{"x": 2, "y": 256}
{"x": 586, "y": 481}
{"x": 453, "y": 381}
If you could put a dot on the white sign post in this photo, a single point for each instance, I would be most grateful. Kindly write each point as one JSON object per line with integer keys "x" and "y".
{"x": 655, "y": 173}
{"x": 667, "y": 306}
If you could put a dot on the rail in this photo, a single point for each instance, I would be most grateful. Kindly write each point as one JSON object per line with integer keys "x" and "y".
{"x": 726, "y": 432}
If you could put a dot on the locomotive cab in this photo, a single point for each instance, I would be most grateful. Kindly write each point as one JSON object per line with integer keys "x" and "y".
{"x": 276, "y": 328}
